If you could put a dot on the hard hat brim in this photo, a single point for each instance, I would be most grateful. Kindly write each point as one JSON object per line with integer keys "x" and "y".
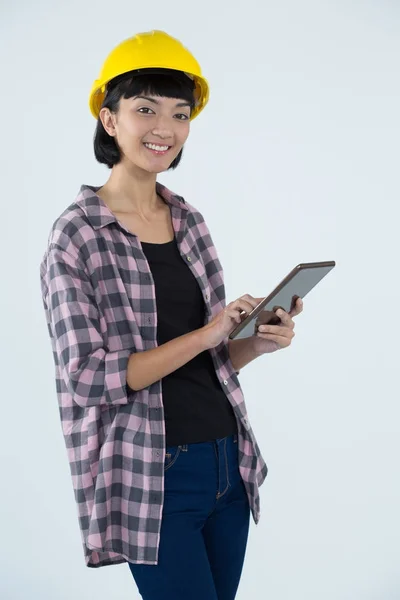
{"x": 200, "y": 88}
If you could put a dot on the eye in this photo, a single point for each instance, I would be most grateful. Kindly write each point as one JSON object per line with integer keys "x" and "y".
{"x": 145, "y": 108}
{"x": 182, "y": 117}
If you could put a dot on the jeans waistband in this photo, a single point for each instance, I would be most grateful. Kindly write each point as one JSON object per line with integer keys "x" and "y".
{"x": 218, "y": 441}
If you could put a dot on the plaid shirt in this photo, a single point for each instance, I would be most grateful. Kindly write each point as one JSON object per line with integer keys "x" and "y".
{"x": 100, "y": 306}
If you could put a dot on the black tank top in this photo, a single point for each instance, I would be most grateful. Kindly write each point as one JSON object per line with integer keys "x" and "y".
{"x": 195, "y": 405}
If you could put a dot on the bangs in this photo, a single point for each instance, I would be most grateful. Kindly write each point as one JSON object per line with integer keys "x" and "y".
{"x": 169, "y": 86}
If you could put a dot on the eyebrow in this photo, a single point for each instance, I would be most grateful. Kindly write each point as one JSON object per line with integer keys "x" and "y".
{"x": 179, "y": 104}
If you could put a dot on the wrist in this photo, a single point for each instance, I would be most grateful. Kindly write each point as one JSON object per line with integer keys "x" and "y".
{"x": 255, "y": 347}
{"x": 242, "y": 351}
{"x": 250, "y": 343}
{"x": 200, "y": 337}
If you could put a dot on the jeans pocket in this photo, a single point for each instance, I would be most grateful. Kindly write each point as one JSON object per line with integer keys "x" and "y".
{"x": 171, "y": 456}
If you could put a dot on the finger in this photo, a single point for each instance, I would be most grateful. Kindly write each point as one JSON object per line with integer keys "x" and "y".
{"x": 247, "y": 307}
{"x": 277, "y": 330}
{"x": 285, "y": 318}
{"x": 233, "y": 314}
{"x": 282, "y": 341}
{"x": 251, "y": 300}
{"x": 298, "y": 308}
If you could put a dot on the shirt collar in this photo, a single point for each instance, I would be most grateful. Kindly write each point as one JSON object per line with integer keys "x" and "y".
{"x": 98, "y": 213}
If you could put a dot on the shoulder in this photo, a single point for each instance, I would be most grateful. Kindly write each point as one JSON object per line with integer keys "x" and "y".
{"x": 71, "y": 233}
{"x": 196, "y": 223}
{"x": 193, "y": 214}
{"x": 194, "y": 217}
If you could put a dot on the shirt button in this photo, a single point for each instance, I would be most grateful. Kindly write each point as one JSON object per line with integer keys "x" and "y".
{"x": 189, "y": 259}
{"x": 158, "y": 453}
{"x": 225, "y": 382}
{"x": 206, "y": 296}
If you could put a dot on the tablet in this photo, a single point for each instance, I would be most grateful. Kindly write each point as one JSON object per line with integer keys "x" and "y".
{"x": 297, "y": 284}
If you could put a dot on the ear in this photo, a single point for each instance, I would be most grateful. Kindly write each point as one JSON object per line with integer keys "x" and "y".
{"x": 108, "y": 121}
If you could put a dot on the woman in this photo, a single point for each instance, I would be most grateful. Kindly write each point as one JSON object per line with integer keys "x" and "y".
{"x": 165, "y": 465}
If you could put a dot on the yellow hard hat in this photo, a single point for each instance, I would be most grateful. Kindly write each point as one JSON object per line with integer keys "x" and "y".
{"x": 150, "y": 50}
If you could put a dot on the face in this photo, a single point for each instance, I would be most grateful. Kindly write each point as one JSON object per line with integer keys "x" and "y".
{"x": 150, "y": 130}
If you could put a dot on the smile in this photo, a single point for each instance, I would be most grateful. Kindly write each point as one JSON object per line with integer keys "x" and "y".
{"x": 156, "y": 149}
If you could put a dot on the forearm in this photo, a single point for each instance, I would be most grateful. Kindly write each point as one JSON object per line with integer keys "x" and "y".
{"x": 241, "y": 352}
{"x": 145, "y": 368}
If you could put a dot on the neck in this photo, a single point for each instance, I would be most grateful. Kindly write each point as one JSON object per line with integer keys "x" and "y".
{"x": 130, "y": 191}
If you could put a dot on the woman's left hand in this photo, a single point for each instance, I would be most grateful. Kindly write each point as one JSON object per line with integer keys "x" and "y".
{"x": 270, "y": 338}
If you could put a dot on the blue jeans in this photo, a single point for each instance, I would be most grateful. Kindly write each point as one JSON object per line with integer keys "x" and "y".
{"x": 204, "y": 527}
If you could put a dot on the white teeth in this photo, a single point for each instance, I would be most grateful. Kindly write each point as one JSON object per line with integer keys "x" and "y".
{"x": 158, "y": 148}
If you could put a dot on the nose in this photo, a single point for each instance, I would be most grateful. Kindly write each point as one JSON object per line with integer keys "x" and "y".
{"x": 164, "y": 134}
{"x": 163, "y": 128}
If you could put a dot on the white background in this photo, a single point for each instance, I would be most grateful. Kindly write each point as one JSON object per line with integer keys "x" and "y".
{"x": 296, "y": 158}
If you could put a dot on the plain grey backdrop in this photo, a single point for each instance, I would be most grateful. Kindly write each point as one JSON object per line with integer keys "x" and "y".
{"x": 296, "y": 158}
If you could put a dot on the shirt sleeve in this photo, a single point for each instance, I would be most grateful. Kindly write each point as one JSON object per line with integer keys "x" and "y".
{"x": 213, "y": 267}
{"x": 93, "y": 376}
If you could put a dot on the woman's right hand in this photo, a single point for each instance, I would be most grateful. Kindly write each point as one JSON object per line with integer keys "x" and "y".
{"x": 226, "y": 320}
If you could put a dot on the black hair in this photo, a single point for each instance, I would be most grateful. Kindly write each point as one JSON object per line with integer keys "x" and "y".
{"x": 171, "y": 84}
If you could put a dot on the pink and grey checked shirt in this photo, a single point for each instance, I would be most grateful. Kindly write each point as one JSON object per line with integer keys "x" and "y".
{"x": 100, "y": 305}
